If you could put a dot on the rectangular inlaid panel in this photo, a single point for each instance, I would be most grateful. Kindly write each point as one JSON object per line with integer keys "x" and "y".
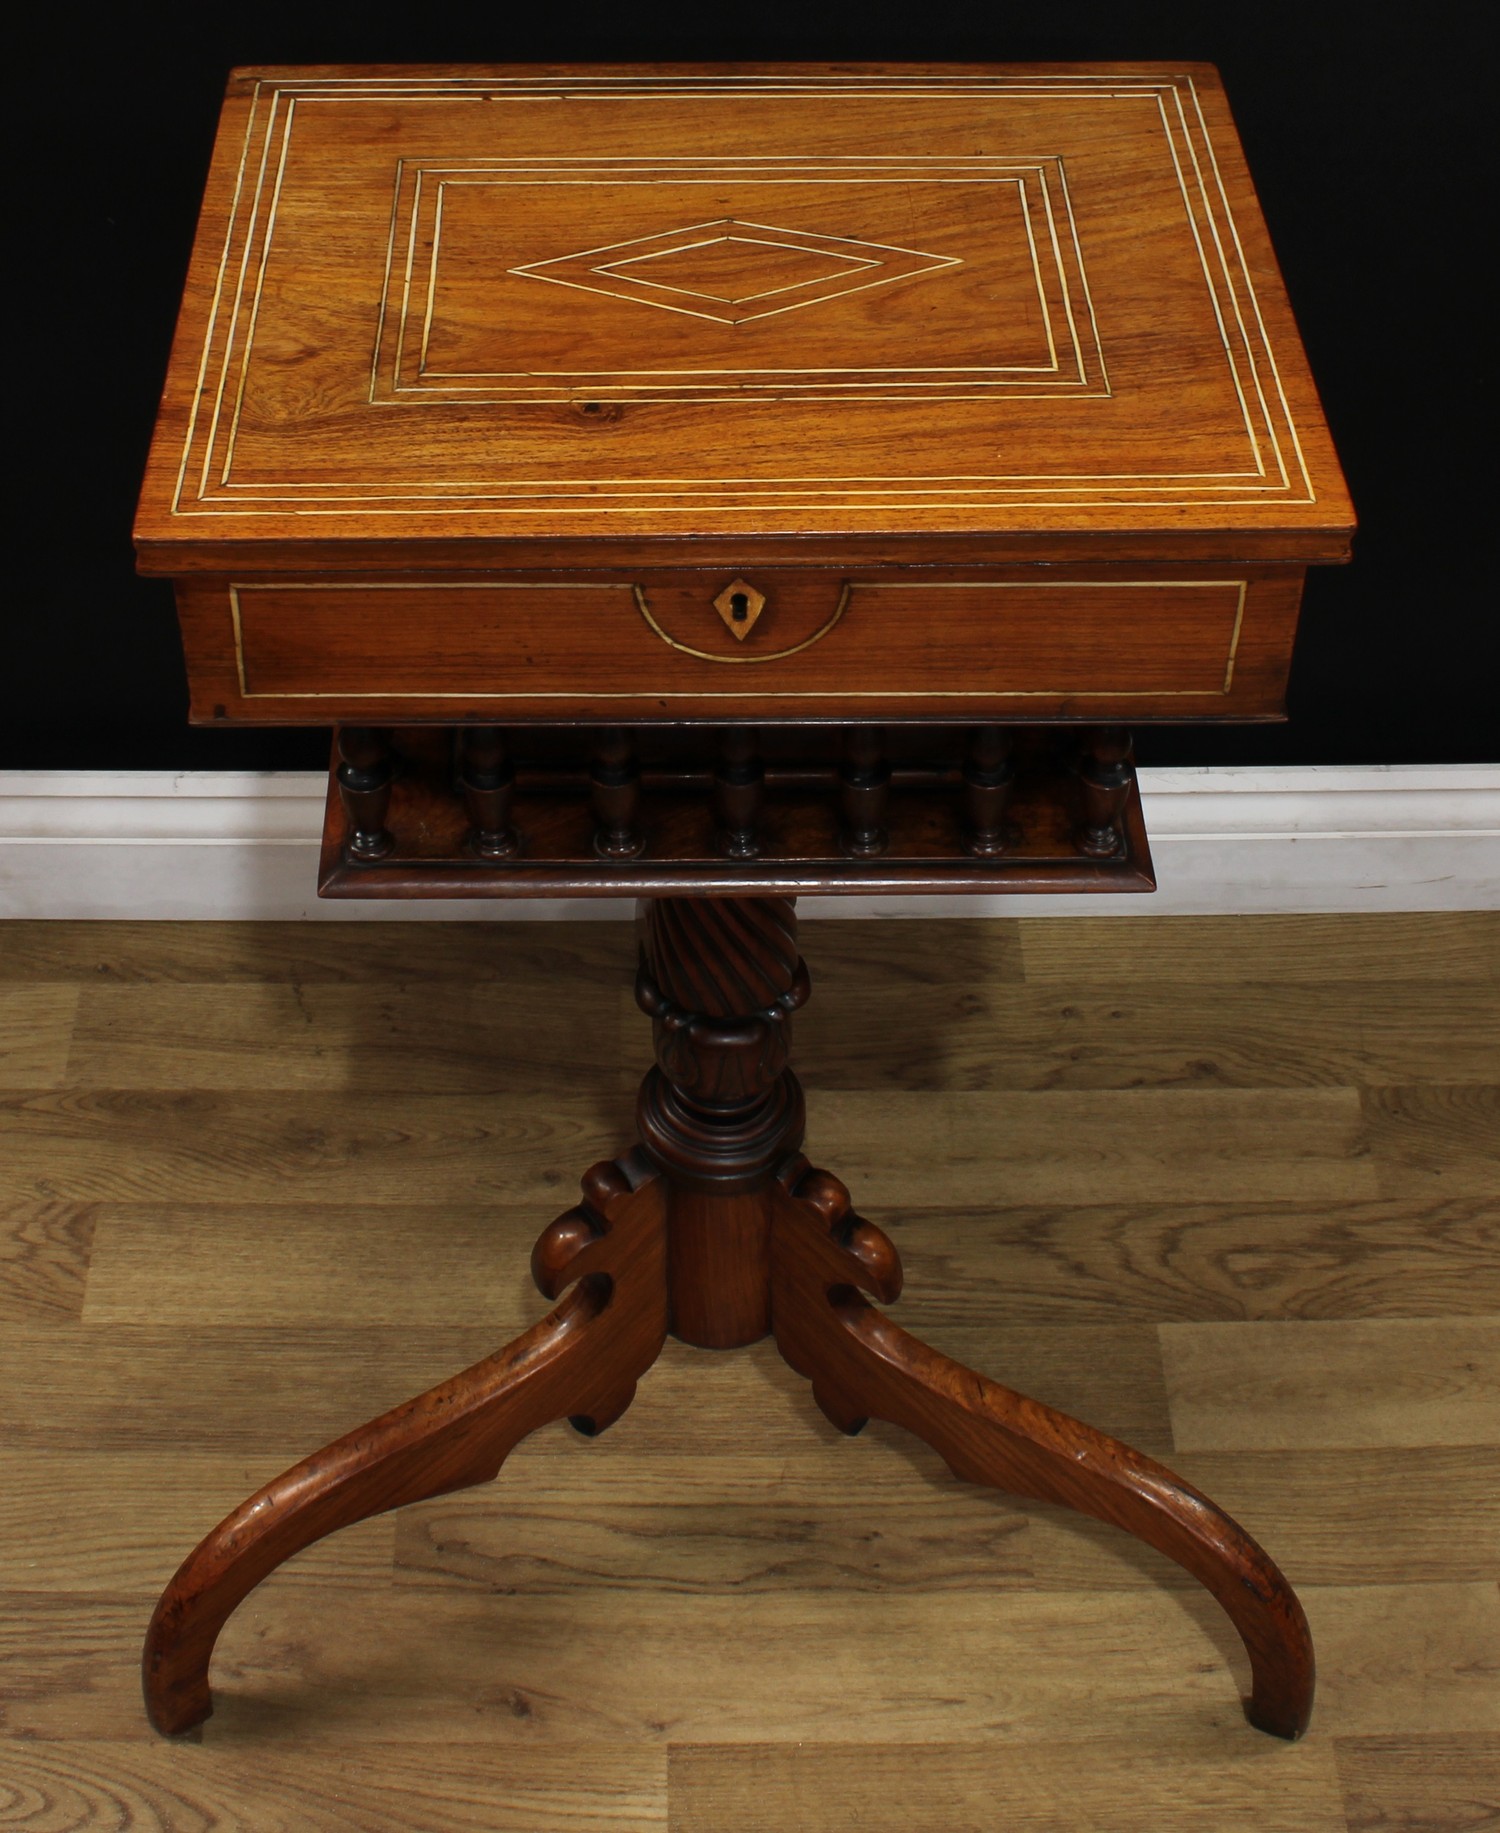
{"x": 459, "y": 320}
{"x": 573, "y": 304}
{"x": 685, "y": 644}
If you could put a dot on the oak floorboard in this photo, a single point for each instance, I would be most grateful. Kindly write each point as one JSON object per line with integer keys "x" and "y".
{"x": 847, "y": 956}
{"x": 317, "y": 1146}
{"x": 723, "y": 1475}
{"x": 277, "y": 1265}
{"x": 1209, "y": 1783}
{"x": 1407, "y": 1658}
{"x": 418, "y": 1037}
{"x": 1097, "y": 1145}
{"x": 291, "y": 1388}
{"x": 1434, "y": 1142}
{"x": 212, "y": 1262}
{"x": 36, "y": 1030}
{"x": 396, "y": 1664}
{"x": 44, "y": 1260}
{"x": 1431, "y": 1784}
{"x": 1223, "y": 1261}
{"x": 55, "y": 1537}
{"x": 1312, "y": 1386}
{"x": 1392, "y": 1515}
{"x": 293, "y": 953}
{"x": 886, "y": 1515}
{"x": 1065, "y": 1146}
{"x": 1152, "y": 1034}
{"x": 278, "y": 1391}
{"x": 596, "y": 1663}
{"x": 1437, "y": 946}
{"x": 150, "y": 1786}
{"x": 868, "y": 1528}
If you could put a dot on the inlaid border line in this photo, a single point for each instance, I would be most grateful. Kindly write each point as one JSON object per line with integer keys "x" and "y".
{"x": 1150, "y": 90}
{"x": 846, "y": 172}
{"x": 1001, "y": 84}
{"x": 850, "y": 586}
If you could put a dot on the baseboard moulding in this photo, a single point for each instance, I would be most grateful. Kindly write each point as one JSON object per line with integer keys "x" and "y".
{"x": 222, "y": 845}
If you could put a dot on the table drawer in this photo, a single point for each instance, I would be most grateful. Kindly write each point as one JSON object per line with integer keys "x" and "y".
{"x": 783, "y": 643}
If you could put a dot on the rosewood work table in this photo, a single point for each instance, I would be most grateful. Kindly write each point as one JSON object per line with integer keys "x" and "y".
{"x": 714, "y": 485}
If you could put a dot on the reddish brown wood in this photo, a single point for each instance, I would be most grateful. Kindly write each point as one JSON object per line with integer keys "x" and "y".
{"x": 679, "y": 811}
{"x": 1106, "y": 776}
{"x": 1047, "y": 451}
{"x": 718, "y": 1231}
{"x": 864, "y": 794}
{"x": 363, "y": 779}
{"x": 975, "y": 642}
{"x": 739, "y": 792}
{"x": 616, "y": 780}
{"x": 863, "y": 1366}
{"x": 488, "y": 782}
{"x": 989, "y": 782}
{"x": 720, "y": 980}
{"x": 582, "y": 1361}
{"x": 1133, "y": 369}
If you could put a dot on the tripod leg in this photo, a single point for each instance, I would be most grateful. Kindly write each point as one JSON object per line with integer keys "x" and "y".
{"x": 581, "y": 1361}
{"x": 862, "y": 1365}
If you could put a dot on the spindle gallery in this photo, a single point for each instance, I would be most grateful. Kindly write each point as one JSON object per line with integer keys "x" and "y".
{"x": 711, "y": 487}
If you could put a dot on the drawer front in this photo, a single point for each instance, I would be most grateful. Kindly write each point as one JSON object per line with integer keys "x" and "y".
{"x": 780, "y": 644}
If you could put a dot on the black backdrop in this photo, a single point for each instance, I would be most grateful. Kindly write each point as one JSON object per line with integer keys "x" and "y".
{"x": 1363, "y": 127}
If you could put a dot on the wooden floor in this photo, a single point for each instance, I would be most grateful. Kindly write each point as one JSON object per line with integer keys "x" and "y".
{"x": 1227, "y": 1188}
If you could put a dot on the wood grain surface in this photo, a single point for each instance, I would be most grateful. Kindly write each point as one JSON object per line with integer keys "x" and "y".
{"x": 639, "y": 311}
{"x": 1282, "y": 1278}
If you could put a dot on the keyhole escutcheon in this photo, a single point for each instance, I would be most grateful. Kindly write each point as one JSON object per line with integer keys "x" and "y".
{"x": 739, "y": 604}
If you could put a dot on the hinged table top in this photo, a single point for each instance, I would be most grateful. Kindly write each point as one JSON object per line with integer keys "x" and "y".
{"x": 1028, "y": 310}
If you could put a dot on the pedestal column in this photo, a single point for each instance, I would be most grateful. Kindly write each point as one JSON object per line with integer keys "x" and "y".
{"x": 720, "y": 978}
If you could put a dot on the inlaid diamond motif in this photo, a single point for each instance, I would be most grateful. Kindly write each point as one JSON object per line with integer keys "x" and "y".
{"x": 734, "y": 271}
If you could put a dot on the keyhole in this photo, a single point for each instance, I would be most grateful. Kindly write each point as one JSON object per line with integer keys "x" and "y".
{"x": 739, "y": 606}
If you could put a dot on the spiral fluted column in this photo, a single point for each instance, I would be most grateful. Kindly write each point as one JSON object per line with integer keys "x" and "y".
{"x": 720, "y": 978}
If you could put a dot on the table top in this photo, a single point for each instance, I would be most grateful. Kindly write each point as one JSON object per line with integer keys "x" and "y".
{"x": 596, "y": 316}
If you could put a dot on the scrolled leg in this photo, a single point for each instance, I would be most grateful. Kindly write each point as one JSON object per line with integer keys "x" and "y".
{"x": 581, "y": 1362}
{"x": 864, "y": 1366}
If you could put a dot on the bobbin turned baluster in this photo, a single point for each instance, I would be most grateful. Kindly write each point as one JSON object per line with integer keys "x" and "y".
{"x": 364, "y": 779}
{"x": 739, "y": 788}
{"x": 864, "y": 793}
{"x": 488, "y": 780}
{"x": 615, "y": 788}
{"x": 989, "y": 778}
{"x": 1105, "y": 774}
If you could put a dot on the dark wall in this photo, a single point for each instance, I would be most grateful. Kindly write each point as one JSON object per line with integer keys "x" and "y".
{"x": 1363, "y": 127}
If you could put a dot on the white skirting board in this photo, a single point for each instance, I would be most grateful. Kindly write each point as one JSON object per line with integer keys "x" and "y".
{"x": 139, "y": 844}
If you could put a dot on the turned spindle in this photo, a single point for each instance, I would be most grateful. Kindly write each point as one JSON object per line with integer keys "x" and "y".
{"x": 864, "y": 793}
{"x": 487, "y": 778}
{"x": 989, "y": 778}
{"x": 615, "y": 788}
{"x": 364, "y": 779}
{"x": 739, "y": 788}
{"x": 1105, "y": 775}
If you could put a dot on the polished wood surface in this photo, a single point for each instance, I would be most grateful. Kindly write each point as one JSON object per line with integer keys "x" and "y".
{"x": 227, "y": 1236}
{"x": 1123, "y": 642}
{"x": 438, "y": 308}
{"x": 521, "y": 423}
{"x": 716, "y": 1230}
{"x": 863, "y": 809}
{"x": 581, "y": 1363}
{"x": 1002, "y": 415}
{"x": 866, "y": 1366}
